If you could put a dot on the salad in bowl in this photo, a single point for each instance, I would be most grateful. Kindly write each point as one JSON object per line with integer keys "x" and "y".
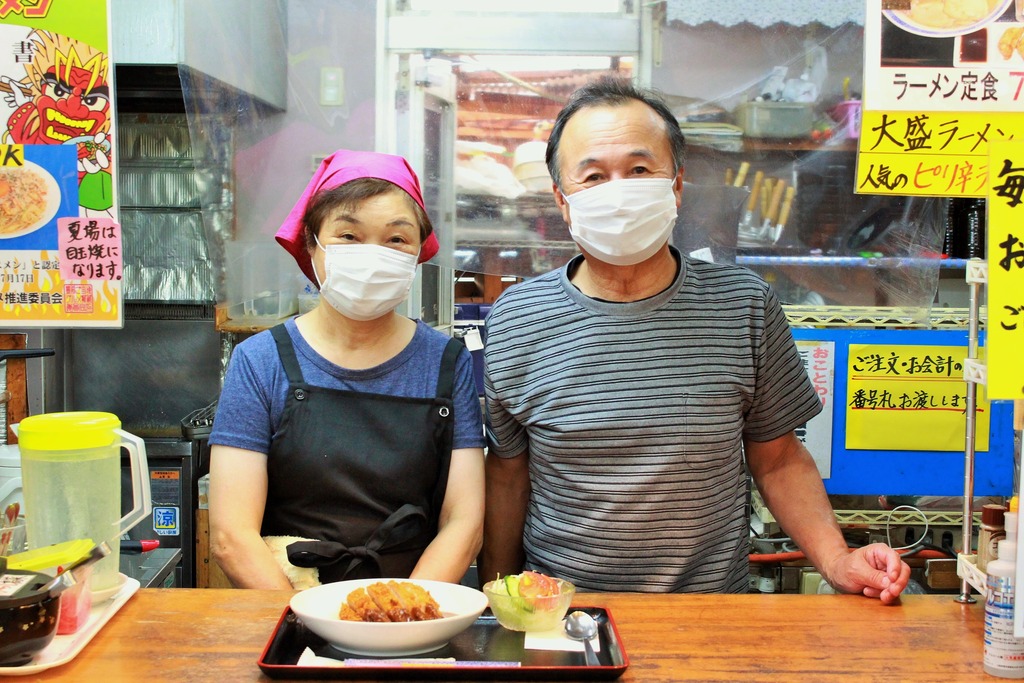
{"x": 529, "y": 601}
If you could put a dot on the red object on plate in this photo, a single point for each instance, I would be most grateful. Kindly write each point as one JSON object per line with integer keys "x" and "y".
{"x": 75, "y": 604}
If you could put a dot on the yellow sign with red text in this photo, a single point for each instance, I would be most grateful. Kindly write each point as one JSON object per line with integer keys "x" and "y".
{"x": 938, "y": 90}
{"x": 934, "y": 154}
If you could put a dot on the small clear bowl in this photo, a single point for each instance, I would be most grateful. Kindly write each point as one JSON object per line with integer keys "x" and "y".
{"x": 530, "y": 614}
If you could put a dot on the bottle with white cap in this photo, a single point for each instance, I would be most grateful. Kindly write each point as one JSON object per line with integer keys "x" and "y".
{"x": 1003, "y": 653}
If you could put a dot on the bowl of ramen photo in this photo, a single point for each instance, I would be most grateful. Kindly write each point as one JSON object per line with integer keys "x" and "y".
{"x": 29, "y": 198}
{"x": 944, "y": 18}
{"x": 388, "y": 617}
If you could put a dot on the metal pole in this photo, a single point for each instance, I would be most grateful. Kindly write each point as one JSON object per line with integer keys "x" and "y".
{"x": 967, "y": 529}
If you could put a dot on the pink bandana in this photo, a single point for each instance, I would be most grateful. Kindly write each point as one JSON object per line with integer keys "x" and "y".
{"x": 338, "y": 169}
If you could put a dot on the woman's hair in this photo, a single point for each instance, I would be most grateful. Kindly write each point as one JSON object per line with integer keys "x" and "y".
{"x": 350, "y": 195}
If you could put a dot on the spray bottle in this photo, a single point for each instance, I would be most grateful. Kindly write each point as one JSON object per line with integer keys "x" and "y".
{"x": 1003, "y": 653}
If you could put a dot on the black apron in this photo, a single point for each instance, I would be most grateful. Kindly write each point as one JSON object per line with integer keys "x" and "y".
{"x": 363, "y": 474}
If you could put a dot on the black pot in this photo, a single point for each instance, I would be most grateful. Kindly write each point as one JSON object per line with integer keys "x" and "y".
{"x": 28, "y": 617}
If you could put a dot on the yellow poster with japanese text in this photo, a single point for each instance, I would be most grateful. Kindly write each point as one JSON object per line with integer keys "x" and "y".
{"x": 933, "y": 154}
{"x": 913, "y": 398}
{"x": 1004, "y": 345}
{"x": 60, "y": 242}
{"x": 940, "y": 86}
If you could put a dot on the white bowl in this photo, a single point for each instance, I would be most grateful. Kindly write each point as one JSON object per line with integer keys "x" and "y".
{"x": 317, "y": 608}
{"x": 50, "y": 204}
{"x": 906, "y": 21}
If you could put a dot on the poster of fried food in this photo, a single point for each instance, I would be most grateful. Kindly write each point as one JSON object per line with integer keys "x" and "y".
{"x": 57, "y": 163}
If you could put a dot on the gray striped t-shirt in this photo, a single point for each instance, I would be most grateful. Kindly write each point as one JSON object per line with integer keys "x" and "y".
{"x": 634, "y": 415}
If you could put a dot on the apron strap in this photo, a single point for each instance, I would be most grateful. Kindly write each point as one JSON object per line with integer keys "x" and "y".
{"x": 445, "y": 387}
{"x": 287, "y": 353}
{"x": 446, "y": 375}
{"x": 404, "y": 524}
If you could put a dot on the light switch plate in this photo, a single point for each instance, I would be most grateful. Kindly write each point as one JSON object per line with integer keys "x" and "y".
{"x": 332, "y": 86}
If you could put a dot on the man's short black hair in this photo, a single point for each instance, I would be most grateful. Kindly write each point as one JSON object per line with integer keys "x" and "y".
{"x": 613, "y": 91}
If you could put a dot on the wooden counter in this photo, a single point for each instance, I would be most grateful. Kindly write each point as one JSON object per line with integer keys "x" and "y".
{"x": 218, "y": 635}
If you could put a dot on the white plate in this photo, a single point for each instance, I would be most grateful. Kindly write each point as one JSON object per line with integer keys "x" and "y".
{"x": 52, "y": 200}
{"x": 317, "y": 608}
{"x": 107, "y": 593}
{"x": 62, "y": 649}
{"x": 902, "y": 18}
{"x": 993, "y": 59}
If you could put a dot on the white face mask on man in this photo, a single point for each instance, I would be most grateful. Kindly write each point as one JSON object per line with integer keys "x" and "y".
{"x": 623, "y": 222}
{"x": 365, "y": 281}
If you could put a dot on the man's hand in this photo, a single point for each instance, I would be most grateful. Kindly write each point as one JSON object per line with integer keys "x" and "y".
{"x": 875, "y": 570}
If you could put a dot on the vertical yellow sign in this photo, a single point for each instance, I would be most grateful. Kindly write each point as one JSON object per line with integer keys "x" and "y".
{"x": 1005, "y": 331}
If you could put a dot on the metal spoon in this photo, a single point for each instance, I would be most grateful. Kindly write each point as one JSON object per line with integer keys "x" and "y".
{"x": 581, "y": 626}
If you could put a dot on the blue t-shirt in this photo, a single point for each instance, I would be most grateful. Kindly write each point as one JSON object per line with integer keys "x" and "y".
{"x": 255, "y": 387}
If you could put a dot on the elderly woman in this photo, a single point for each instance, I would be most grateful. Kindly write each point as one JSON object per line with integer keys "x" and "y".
{"x": 348, "y": 441}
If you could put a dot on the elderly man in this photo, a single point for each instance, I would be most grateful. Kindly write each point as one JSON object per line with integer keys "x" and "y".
{"x": 627, "y": 390}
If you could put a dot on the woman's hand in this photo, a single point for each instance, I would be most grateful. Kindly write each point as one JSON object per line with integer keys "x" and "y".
{"x": 238, "y": 495}
{"x": 461, "y": 525}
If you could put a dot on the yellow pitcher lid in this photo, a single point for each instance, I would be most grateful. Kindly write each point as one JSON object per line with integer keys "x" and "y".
{"x": 67, "y": 431}
{"x": 56, "y": 555}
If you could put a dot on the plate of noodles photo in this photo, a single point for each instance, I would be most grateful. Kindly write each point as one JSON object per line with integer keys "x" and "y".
{"x": 944, "y": 18}
{"x": 29, "y": 198}
{"x": 388, "y": 617}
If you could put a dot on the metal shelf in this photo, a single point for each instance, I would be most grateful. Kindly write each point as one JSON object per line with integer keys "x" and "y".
{"x": 849, "y": 261}
{"x": 516, "y": 244}
{"x": 874, "y": 316}
{"x": 967, "y": 569}
{"x": 876, "y": 517}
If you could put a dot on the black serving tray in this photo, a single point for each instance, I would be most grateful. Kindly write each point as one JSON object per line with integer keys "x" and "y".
{"x": 484, "y": 651}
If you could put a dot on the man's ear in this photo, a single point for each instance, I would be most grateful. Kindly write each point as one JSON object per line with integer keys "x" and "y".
{"x": 677, "y": 188}
{"x": 563, "y": 205}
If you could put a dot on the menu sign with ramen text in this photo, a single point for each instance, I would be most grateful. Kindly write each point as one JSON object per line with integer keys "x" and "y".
{"x": 57, "y": 167}
{"x": 943, "y": 79}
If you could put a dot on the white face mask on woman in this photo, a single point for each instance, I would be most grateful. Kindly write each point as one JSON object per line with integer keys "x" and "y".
{"x": 623, "y": 222}
{"x": 365, "y": 281}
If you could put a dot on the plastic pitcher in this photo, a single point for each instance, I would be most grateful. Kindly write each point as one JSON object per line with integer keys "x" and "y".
{"x": 71, "y": 482}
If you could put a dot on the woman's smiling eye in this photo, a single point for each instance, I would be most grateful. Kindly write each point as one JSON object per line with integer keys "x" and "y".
{"x": 339, "y": 238}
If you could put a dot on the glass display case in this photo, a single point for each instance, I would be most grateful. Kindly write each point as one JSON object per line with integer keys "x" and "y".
{"x": 765, "y": 100}
{"x": 512, "y": 72}
{"x": 782, "y": 123}
{"x": 469, "y": 93}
